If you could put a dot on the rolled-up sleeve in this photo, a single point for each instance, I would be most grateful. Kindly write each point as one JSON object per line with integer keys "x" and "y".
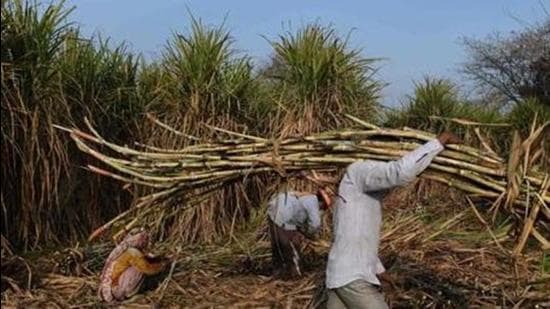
{"x": 376, "y": 176}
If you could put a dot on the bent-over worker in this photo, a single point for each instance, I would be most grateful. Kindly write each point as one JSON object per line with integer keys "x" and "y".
{"x": 290, "y": 216}
{"x": 126, "y": 266}
{"x": 353, "y": 263}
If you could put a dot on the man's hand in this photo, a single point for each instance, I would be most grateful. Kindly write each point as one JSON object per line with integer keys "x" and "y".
{"x": 325, "y": 198}
{"x": 448, "y": 138}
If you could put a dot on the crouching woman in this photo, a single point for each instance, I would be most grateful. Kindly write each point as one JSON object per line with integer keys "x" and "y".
{"x": 126, "y": 267}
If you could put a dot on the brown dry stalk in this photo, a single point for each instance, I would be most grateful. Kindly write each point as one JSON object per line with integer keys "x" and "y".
{"x": 487, "y": 226}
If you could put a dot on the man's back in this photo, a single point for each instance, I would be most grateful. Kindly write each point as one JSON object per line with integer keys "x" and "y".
{"x": 358, "y": 214}
{"x": 356, "y": 223}
{"x": 290, "y": 211}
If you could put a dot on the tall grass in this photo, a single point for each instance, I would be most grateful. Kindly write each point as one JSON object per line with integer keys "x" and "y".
{"x": 205, "y": 73}
{"x": 437, "y": 97}
{"x": 97, "y": 81}
{"x": 51, "y": 75}
{"x": 317, "y": 76}
{"x": 524, "y": 113}
{"x": 100, "y": 81}
{"x": 441, "y": 98}
{"x": 201, "y": 82}
{"x": 435, "y": 103}
{"x": 33, "y": 160}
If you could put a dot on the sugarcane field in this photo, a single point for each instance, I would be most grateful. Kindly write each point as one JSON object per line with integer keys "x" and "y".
{"x": 275, "y": 155}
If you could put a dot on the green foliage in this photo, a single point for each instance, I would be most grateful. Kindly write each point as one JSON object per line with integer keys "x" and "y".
{"x": 152, "y": 85}
{"x": 522, "y": 115}
{"x": 316, "y": 68}
{"x": 439, "y": 98}
{"x": 30, "y": 39}
{"x": 98, "y": 80}
{"x": 205, "y": 73}
{"x": 433, "y": 97}
{"x": 33, "y": 160}
{"x": 52, "y": 75}
{"x": 545, "y": 264}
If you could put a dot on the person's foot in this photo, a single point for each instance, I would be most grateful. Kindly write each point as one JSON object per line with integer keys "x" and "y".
{"x": 277, "y": 273}
{"x": 294, "y": 274}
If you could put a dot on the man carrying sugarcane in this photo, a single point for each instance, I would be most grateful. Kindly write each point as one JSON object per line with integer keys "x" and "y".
{"x": 353, "y": 263}
{"x": 291, "y": 216}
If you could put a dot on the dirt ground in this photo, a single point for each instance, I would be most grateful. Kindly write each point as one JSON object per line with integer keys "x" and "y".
{"x": 437, "y": 252}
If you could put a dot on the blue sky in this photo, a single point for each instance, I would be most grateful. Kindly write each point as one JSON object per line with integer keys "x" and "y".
{"x": 416, "y": 37}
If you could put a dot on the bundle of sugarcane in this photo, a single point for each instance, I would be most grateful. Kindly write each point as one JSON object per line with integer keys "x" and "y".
{"x": 176, "y": 175}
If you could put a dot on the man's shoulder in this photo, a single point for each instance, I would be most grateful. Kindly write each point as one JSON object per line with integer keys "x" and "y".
{"x": 282, "y": 202}
{"x": 309, "y": 201}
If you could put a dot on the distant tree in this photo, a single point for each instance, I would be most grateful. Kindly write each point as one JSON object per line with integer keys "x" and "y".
{"x": 516, "y": 65}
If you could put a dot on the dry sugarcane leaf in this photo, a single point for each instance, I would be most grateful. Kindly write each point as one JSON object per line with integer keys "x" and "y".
{"x": 527, "y": 228}
{"x": 169, "y": 128}
{"x": 512, "y": 170}
{"x": 483, "y": 142}
{"x": 466, "y": 122}
{"x": 544, "y": 242}
{"x": 533, "y": 139}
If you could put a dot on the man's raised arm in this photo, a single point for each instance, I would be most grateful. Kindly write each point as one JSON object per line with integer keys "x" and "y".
{"x": 377, "y": 176}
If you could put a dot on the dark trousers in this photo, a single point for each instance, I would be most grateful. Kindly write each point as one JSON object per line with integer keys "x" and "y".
{"x": 285, "y": 251}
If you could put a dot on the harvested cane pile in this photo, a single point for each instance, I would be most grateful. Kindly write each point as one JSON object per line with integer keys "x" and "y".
{"x": 513, "y": 184}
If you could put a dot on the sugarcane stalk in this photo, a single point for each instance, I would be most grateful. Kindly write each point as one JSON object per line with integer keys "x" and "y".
{"x": 177, "y": 172}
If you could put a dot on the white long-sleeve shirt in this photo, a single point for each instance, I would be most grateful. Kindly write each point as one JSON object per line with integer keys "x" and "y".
{"x": 358, "y": 216}
{"x": 291, "y": 211}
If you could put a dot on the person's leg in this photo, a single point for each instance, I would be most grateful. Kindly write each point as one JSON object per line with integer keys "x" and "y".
{"x": 276, "y": 251}
{"x": 289, "y": 254}
{"x": 361, "y": 294}
{"x": 293, "y": 255}
{"x": 128, "y": 284}
{"x": 334, "y": 301}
